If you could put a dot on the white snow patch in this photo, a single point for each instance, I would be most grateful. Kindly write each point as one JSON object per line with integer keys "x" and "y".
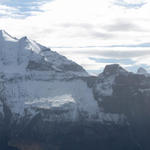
{"x": 144, "y": 90}
{"x": 51, "y": 102}
{"x": 73, "y": 97}
{"x": 105, "y": 88}
{"x": 48, "y": 95}
{"x": 5, "y": 36}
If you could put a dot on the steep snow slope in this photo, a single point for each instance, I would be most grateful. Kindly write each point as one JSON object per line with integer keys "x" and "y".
{"x": 19, "y": 56}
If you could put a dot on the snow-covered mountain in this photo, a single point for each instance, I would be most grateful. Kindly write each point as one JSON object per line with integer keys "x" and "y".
{"x": 24, "y": 56}
{"x": 49, "y": 102}
{"x": 34, "y": 79}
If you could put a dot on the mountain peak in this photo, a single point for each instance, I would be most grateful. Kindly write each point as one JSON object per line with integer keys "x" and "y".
{"x": 19, "y": 54}
{"x": 113, "y": 69}
{"x": 2, "y": 31}
{"x": 141, "y": 70}
{"x": 25, "y": 39}
{"x": 4, "y": 36}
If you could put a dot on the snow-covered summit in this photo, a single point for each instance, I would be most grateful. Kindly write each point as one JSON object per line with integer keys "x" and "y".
{"x": 4, "y": 36}
{"x": 33, "y": 78}
{"x": 16, "y": 55}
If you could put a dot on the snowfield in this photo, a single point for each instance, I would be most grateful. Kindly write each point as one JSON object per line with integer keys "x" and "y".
{"x": 50, "y": 95}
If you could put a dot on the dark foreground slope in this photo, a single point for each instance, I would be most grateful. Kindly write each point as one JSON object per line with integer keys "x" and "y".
{"x": 127, "y": 95}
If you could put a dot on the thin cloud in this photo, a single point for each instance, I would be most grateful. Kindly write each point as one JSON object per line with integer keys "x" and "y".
{"x": 131, "y": 45}
{"x": 97, "y": 58}
{"x": 123, "y": 26}
{"x": 130, "y": 3}
{"x": 101, "y": 35}
{"x": 8, "y": 11}
{"x": 110, "y": 60}
{"x": 24, "y": 8}
{"x": 117, "y": 53}
{"x": 77, "y": 25}
{"x": 89, "y": 24}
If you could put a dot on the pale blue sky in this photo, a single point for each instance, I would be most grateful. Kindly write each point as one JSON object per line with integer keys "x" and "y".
{"x": 24, "y": 7}
{"x": 25, "y": 4}
{"x": 126, "y": 4}
{"x": 93, "y": 33}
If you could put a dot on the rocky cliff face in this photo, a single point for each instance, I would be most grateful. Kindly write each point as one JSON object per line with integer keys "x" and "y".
{"x": 126, "y": 93}
{"x": 49, "y": 102}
